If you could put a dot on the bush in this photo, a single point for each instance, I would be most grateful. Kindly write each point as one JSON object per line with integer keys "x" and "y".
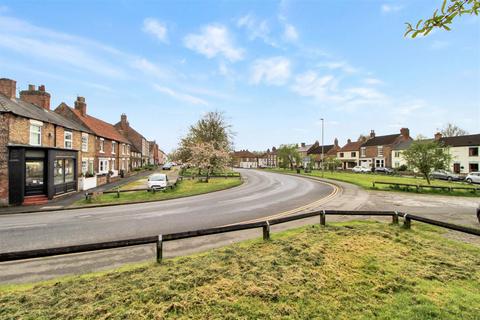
{"x": 403, "y": 167}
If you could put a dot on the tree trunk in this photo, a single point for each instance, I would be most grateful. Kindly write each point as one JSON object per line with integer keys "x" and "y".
{"x": 427, "y": 177}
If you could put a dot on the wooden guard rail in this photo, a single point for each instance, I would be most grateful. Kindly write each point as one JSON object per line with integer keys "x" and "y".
{"x": 418, "y": 187}
{"x": 265, "y": 225}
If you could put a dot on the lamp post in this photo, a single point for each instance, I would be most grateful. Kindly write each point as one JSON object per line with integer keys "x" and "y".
{"x": 323, "y": 165}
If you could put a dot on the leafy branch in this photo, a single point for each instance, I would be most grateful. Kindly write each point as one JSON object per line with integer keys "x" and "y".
{"x": 445, "y": 18}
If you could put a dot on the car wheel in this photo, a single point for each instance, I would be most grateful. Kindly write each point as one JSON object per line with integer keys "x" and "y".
{"x": 469, "y": 180}
{"x": 449, "y": 179}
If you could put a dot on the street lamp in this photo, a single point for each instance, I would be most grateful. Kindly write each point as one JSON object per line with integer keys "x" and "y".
{"x": 323, "y": 121}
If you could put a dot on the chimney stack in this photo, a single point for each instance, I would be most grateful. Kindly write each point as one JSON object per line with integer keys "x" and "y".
{"x": 124, "y": 122}
{"x": 372, "y": 133}
{"x": 405, "y": 132}
{"x": 39, "y": 97}
{"x": 349, "y": 141}
{"x": 335, "y": 142}
{"x": 81, "y": 106}
{"x": 8, "y": 88}
{"x": 438, "y": 136}
{"x": 303, "y": 144}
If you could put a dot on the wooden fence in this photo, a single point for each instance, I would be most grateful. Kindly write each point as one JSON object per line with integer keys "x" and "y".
{"x": 419, "y": 187}
{"x": 265, "y": 225}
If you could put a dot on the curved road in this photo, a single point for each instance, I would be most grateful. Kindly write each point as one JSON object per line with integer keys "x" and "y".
{"x": 263, "y": 194}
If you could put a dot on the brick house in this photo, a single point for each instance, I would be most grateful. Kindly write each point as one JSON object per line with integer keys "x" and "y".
{"x": 111, "y": 154}
{"x": 377, "y": 150}
{"x": 153, "y": 153}
{"x": 349, "y": 154}
{"x": 465, "y": 152}
{"x": 39, "y": 149}
{"x": 141, "y": 144}
{"x": 315, "y": 152}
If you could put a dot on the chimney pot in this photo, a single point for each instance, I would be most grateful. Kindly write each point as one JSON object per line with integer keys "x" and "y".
{"x": 335, "y": 142}
{"x": 348, "y": 140}
{"x": 303, "y": 144}
{"x": 372, "y": 134}
{"x": 31, "y": 87}
{"x": 8, "y": 88}
{"x": 81, "y": 106}
{"x": 41, "y": 88}
{"x": 38, "y": 97}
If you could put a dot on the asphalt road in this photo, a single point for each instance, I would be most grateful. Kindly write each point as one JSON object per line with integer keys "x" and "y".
{"x": 263, "y": 194}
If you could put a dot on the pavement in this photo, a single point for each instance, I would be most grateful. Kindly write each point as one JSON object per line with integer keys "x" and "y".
{"x": 262, "y": 195}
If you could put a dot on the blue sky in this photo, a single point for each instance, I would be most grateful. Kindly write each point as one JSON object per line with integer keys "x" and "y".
{"x": 274, "y": 67}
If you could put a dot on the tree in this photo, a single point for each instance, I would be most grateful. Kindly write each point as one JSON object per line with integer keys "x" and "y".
{"x": 288, "y": 156}
{"x": 332, "y": 163}
{"x": 445, "y": 18}
{"x": 427, "y": 156}
{"x": 208, "y": 144}
{"x": 451, "y": 130}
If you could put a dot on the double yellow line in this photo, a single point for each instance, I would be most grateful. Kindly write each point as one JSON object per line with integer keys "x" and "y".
{"x": 309, "y": 206}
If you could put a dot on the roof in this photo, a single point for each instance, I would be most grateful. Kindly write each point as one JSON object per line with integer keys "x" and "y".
{"x": 403, "y": 145}
{"x": 131, "y": 135}
{"x": 99, "y": 127}
{"x": 351, "y": 146}
{"x": 244, "y": 154}
{"x": 462, "y": 141}
{"x": 304, "y": 148}
{"x": 31, "y": 111}
{"x": 318, "y": 149}
{"x": 381, "y": 140}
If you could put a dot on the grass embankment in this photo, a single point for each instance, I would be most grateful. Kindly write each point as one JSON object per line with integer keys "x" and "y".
{"x": 365, "y": 181}
{"x": 184, "y": 188}
{"x": 354, "y": 270}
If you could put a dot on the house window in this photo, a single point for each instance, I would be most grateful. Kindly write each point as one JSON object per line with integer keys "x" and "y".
{"x": 67, "y": 135}
{"x": 473, "y": 167}
{"x": 354, "y": 154}
{"x": 102, "y": 145}
{"x": 397, "y": 154}
{"x": 103, "y": 166}
{"x": 114, "y": 144}
{"x": 90, "y": 167}
{"x": 473, "y": 152}
{"x": 84, "y": 166}
{"x": 362, "y": 151}
{"x": 85, "y": 142}
{"x": 341, "y": 154}
{"x": 35, "y": 134}
{"x": 397, "y": 164}
{"x": 113, "y": 164}
{"x": 380, "y": 151}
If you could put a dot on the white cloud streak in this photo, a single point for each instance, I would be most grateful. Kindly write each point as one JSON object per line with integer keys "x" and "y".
{"x": 180, "y": 96}
{"x": 156, "y": 28}
{"x": 272, "y": 71}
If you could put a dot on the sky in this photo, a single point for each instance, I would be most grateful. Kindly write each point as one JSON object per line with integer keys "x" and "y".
{"x": 275, "y": 68}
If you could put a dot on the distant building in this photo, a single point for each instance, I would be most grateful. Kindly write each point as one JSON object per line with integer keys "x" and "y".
{"x": 244, "y": 159}
{"x": 377, "y": 150}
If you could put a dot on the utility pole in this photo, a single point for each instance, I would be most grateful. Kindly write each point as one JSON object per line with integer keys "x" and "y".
{"x": 323, "y": 156}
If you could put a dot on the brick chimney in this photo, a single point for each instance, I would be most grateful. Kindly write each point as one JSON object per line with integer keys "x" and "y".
{"x": 81, "y": 106}
{"x": 335, "y": 142}
{"x": 405, "y": 132}
{"x": 303, "y": 144}
{"x": 8, "y": 88}
{"x": 372, "y": 133}
{"x": 349, "y": 141}
{"x": 38, "y": 97}
{"x": 438, "y": 136}
{"x": 124, "y": 122}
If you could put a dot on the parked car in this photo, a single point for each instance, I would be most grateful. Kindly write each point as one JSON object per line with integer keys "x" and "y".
{"x": 360, "y": 169}
{"x": 383, "y": 170}
{"x": 167, "y": 166}
{"x": 157, "y": 181}
{"x": 445, "y": 175}
{"x": 473, "y": 177}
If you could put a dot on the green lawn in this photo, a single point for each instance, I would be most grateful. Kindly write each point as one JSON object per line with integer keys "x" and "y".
{"x": 184, "y": 188}
{"x": 365, "y": 180}
{"x": 354, "y": 270}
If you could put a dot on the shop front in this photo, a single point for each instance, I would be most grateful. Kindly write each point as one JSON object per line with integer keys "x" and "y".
{"x": 40, "y": 172}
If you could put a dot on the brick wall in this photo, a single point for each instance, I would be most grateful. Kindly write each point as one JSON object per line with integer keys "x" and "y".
{"x": 4, "y": 125}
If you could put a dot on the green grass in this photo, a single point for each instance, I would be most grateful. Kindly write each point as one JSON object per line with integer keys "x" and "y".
{"x": 184, "y": 188}
{"x": 365, "y": 181}
{"x": 354, "y": 270}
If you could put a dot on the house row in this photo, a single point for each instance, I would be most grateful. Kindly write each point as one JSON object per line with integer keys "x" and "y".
{"x": 371, "y": 151}
{"x": 46, "y": 153}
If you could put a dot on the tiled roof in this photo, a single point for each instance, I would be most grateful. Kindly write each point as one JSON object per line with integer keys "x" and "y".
{"x": 31, "y": 111}
{"x": 305, "y": 148}
{"x": 403, "y": 145}
{"x": 462, "y": 141}
{"x": 381, "y": 140}
{"x": 100, "y": 128}
{"x": 318, "y": 149}
{"x": 351, "y": 146}
{"x": 244, "y": 154}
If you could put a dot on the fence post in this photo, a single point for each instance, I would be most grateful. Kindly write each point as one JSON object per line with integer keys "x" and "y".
{"x": 322, "y": 218}
{"x": 266, "y": 231}
{"x": 118, "y": 192}
{"x": 395, "y": 218}
{"x": 159, "y": 249}
{"x": 407, "y": 222}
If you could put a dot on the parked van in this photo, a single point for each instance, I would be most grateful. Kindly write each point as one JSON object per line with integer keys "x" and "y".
{"x": 157, "y": 181}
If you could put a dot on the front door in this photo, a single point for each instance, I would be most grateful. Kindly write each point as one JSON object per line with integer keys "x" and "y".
{"x": 456, "y": 167}
{"x": 35, "y": 177}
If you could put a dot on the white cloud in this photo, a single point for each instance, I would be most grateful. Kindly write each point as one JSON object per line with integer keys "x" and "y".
{"x": 257, "y": 29}
{"x": 388, "y": 8}
{"x": 149, "y": 68}
{"x": 372, "y": 81}
{"x": 212, "y": 41}
{"x": 340, "y": 65}
{"x": 180, "y": 96}
{"x": 272, "y": 71}
{"x": 309, "y": 84}
{"x": 290, "y": 33}
{"x": 156, "y": 28}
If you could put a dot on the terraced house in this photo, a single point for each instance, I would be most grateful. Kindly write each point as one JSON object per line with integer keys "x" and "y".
{"x": 40, "y": 150}
{"x": 349, "y": 154}
{"x": 110, "y": 155}
{"x": 140, "y": 144}
{"x": 465, "y": 151}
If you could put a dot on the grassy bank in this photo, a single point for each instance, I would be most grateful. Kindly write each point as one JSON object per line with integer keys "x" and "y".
{"x": 184, "y": 188}
{"x": 365, "y": 180}
{"x": 354, "y": 270}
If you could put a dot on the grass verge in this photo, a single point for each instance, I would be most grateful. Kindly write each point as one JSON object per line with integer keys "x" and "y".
{"x": 365, "y": 181}
{"x": 354, "y": 270}
{"x": 184, "y": 188}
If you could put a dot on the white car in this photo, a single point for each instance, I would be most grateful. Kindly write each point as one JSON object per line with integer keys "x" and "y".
{"x": 473, "y": 177}
{"x": 360, "y": 169}
{"x": 157, "y": 181}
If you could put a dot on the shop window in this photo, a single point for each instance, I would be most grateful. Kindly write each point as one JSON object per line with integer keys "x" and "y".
{"x": 35, "y": 135}
{"x": 63, "y": 171}
{"x": 68, "y": 139}
{"x": 69, "y": 170}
